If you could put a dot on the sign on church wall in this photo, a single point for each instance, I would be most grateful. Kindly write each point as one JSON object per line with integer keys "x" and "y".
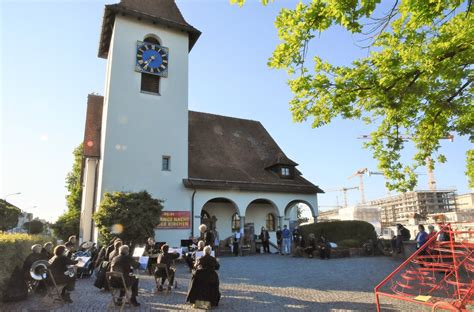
{"x": 175, "y": 220}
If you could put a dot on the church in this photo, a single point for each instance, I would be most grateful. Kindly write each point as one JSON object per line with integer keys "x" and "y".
{"x": 223, "y": 171}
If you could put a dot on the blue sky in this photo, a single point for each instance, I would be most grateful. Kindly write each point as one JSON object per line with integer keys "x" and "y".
{"x": 49, "y": 64}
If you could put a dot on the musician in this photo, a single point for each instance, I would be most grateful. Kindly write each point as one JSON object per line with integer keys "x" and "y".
{"x": 47, "y": 250}
{"x": 115, "y": 252}
{"x": 70, "y": 249}
{"x": 58, "y": 265}
{"x": 166, "y": 258}
{"x": 324, "y": 248}
{"x": 205, "y": 281}
{"x": 152, "y": 252}
{"x": 206, "y": 235}
{"x": 122, "y": 263}
{"x": 190, "y": 258}
{"x": 310, "y": 246}
{"x": 34, "y": 256}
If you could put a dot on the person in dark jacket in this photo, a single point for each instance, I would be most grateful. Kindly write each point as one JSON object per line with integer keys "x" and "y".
{"x": 205, "y": 281}
{"x": 310, "y": 245}
{"x": 279, "y": 236}
{"x": 265, "y": 238}
{"x": 190, "y": 258}
{"x": 152, "y": 252}
{"x": 114, "y": 253}
{"x": 206, "y": 235}
{"x": 59, "y": 264}
{"x": 34, "y": 256}
{"x": 324, "y": 248}
{"x": 166, "y": 258}
{"x": 122, "y": 263}
{"x": 47, "y": 250}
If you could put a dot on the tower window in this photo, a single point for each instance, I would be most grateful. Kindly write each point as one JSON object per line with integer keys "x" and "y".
{"x": 150, "y": 84}
{"x": 165, "y": 163}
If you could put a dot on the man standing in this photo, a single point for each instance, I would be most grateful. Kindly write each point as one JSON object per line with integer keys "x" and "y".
{"x": 279, "y": 239}
{"x": 286, "y": 240}
{"x": 265, "y": 238}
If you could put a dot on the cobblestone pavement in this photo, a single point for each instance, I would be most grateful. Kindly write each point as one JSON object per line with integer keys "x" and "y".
{"x": 255, "y": 283}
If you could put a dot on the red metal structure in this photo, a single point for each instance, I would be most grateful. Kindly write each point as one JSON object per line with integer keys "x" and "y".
{"x": 439, "y": 274}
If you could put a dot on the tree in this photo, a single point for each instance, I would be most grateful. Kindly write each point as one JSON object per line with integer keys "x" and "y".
{"x": 34, "y": 227}
{"x": 8, "y": 215}
{"x": 130, "y": 216}
{"x": 68, "y": 223}
{"x": 415, "y": 84}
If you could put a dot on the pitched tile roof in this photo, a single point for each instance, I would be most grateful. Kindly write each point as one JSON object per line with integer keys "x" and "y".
{"x": 224, "y": 153}
{"x": 162, "y": 12}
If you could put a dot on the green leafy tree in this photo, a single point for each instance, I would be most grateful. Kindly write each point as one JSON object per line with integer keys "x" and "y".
{"x": 68, "y": 223}
{"x": 34, "y": 227}
{"x": 130, "y": 216}
{"x": 8, "y": 215}
{"x": 414, "y": 85}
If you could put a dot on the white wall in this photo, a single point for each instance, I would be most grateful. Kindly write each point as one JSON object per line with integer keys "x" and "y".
{"x": 223, "y": 212}
{"x": 87, "y": 201}
{"x": 138, "y": 128}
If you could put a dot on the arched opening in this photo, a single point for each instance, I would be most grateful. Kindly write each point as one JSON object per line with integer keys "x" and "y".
{"x": 222, "y": 215}
{"x": 298, "y": 212}
{"x": 152, "y": 39}
{"x": 262, "y": 212}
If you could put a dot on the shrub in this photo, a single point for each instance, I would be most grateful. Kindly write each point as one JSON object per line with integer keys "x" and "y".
{"x": 14, "y": 248}
{"x": 339, "y": 231}
{"x": 350, "y": 243}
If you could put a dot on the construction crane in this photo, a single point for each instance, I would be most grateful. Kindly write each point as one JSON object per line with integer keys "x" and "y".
{"x": 344, "y": 190}
{"x": 429, "y": 161}
{"x": 361, "y": 172}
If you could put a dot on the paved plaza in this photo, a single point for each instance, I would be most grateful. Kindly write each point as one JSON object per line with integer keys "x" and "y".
{"x": 256, "y": 283}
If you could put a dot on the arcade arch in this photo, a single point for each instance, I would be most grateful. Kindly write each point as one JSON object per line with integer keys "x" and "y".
{"x": 220, "y": 213}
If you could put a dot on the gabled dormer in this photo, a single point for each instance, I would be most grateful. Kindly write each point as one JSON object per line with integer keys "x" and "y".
{"x": 283, "y": 167}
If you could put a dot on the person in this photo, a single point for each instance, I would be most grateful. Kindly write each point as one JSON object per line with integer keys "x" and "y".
{"x": 265, "y": 238}
{"x": 70, "y": 249}
{"x": 190, "y": 258}
{"x": 279, "y": 239}
{"x": 431, "y": 232}
{"x": 72, "y": 240}
{"x": 152, "y": 252}
{"x": 216, "y": 242}
{"x": 421, "y": 236}
{"x": 296, "y": 237}
{"x": 235, "y": 243}
{"x": 47, "y": 250}
{"x": 286, "y": 240}
{"x": 310, "y": 245}
{"x": 397, "y": 241}
{"x": 122, "y": 263}
{"x": 324, "y": 248}
{"x": 204, "y": 284}
{"x": 58, "y": 265}
{"x": 30, "y": 259}
{"x": 166, "y": 258}
{"x": 114, "y": 253}
{"x": 206, "y": 235}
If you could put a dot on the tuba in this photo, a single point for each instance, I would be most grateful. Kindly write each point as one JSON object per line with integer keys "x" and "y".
{"x": 39, "y": 270}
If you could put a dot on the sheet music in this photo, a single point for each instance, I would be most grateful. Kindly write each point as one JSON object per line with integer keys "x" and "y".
{"x": 138, "y": 251}
{"x": 200, "y": 254}
{"x": 143, "y": 260}
{"x": 177, "y": 250}
{"x": 82, "y": 261}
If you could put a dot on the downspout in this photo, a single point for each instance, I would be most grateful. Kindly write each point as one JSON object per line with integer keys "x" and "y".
{"x": 192, "y": 207}
{"x": 94, "y": 199}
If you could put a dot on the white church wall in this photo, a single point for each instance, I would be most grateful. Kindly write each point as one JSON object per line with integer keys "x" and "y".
{"x": 138, "y": 128}
{"x": 87, "y": 200}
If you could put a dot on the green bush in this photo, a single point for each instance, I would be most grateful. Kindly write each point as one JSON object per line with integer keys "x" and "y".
{"x": 340, "y": 231}
{"x": 350, "y": 243}
{"x": 14, "y": 248}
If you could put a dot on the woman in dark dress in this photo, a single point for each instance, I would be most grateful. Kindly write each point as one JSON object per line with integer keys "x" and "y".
{"x": 59, "y": 264}
{"x": 205, "y": 281}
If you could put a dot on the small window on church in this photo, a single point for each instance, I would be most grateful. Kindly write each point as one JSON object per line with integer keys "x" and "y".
{"x": 285, "y": 171}
{"x": 270, "y": 222}
{"x": 151, "y": 40}
{"x": 165, "y": 163}
{"x": 150, "y": 84}
{"x": 235, "y": 222}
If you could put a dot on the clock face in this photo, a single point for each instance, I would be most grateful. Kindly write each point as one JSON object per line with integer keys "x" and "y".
{"x": 152, "y": 58}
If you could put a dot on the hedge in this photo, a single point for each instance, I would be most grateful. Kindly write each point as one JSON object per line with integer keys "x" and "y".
{"x": 14, "y": 248}
{"x": 351, "y": 233}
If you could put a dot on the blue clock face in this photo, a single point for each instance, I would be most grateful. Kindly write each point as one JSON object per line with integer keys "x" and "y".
{"x": 152, "y": 58}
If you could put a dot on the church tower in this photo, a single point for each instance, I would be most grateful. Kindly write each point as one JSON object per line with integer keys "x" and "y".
{"x": 144, "y": 127}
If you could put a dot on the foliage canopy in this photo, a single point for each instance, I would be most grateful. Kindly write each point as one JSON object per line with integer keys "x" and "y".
{"x": 415, "y": 84}
{"x": 130, "y": 216}
{"x": 8, "y": 215}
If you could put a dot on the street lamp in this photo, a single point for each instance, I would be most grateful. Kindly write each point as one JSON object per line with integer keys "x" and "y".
{"x": 18, "y": 193}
